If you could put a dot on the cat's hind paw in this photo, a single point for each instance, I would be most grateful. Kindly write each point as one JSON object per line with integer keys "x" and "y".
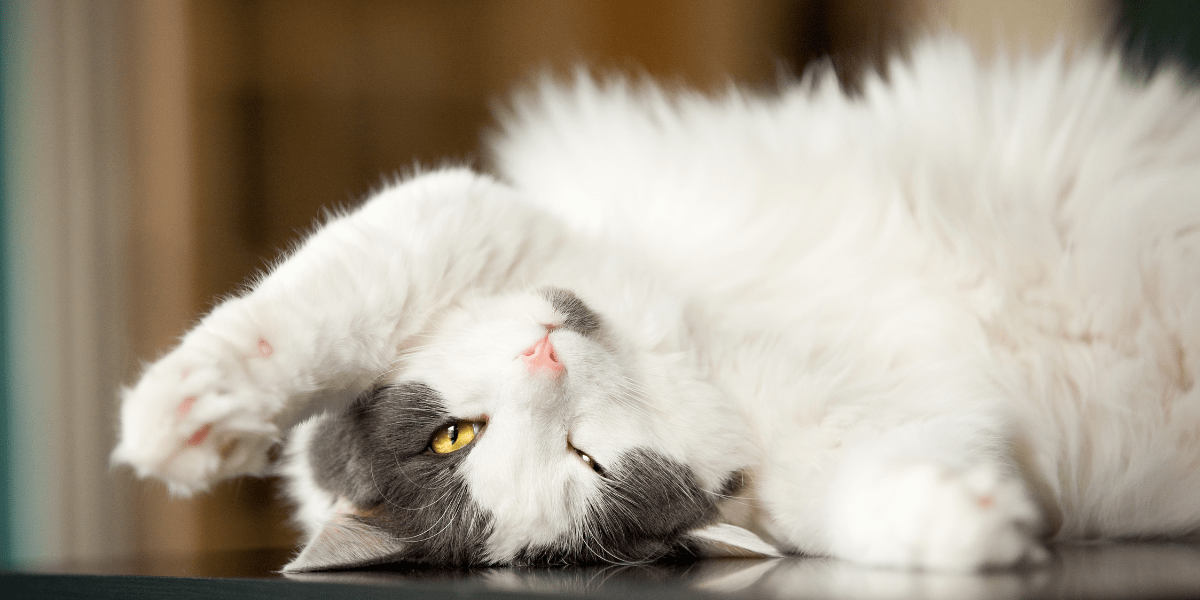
{"x": 194, "y": 419}
{"x": 927, "y": 517}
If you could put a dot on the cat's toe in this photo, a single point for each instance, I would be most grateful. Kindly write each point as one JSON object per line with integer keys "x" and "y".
{"x": 192, "y": 422}
{"x": 926, "y": 516}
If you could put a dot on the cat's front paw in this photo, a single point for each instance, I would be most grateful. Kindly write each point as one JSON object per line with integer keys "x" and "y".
{"x": 926, "y": 516}
{"x": 195, "y": 418}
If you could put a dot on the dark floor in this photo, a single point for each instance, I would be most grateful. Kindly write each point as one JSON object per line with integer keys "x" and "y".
{"x": 1142, "y": 570}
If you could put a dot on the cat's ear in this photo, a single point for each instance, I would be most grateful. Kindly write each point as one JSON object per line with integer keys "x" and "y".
{"x": 346, "y": 542}
{"x": 723, "y": 540}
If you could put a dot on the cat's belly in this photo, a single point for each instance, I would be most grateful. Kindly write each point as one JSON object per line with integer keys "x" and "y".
{"x": 1114, "y": 433}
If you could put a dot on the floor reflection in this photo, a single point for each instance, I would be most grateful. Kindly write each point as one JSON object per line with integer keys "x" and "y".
{"x": 1092, "y": 571}
{"x": 827, "y": 578}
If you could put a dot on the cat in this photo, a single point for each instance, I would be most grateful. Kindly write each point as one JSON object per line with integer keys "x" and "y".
{"x": 933, "y": 326}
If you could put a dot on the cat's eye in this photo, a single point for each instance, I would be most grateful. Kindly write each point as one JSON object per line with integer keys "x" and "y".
{"x": 588, "y": 460}
{"x": 455, "y": 437}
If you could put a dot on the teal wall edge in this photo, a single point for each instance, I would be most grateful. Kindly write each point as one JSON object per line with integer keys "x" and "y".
{"x": 7, "y": 17}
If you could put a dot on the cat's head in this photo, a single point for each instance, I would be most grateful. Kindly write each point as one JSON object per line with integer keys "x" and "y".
{"x": 526, "y": 429}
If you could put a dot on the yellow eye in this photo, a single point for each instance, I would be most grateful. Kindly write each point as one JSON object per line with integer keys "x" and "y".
{"x": 454, "y": 437}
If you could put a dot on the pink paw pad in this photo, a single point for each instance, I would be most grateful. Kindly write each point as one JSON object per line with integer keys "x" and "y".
{"x": 200, "y": 435}
{"x": 264, "y": 348}
{"x": 986, "y": 502}
{"x": 186, "y": 406}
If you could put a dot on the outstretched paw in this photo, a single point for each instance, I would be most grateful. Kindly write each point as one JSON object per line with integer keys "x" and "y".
{"x": 926, "y": 516}
{"x": 196, "y": 417}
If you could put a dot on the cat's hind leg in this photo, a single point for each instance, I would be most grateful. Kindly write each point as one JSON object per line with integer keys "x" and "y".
{"x": 933, "y": 492}
{"x": 925, "y": 514}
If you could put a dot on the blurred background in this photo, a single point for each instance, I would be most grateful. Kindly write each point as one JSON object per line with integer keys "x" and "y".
{"x": 156, "y": 153}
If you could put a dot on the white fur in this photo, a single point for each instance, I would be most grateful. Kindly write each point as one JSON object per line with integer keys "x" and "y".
{"x": 932, "y": 324}
{"x": 319, "y": 506}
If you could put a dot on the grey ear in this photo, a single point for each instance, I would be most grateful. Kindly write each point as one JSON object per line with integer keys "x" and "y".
{"x": 344, "y": 543}
{"x": 730, "y": 541}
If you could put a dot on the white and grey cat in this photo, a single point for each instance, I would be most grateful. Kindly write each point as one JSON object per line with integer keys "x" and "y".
{"x": 933, "y": 326}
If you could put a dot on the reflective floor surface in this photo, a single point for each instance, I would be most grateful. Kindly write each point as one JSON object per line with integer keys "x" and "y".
{"x": 1110, "y": 570}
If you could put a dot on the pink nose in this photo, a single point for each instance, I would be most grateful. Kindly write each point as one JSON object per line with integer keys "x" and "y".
{"x": 540, "y": 356}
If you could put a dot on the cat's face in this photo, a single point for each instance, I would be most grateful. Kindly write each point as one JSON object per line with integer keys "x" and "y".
{"x": 525, "y": 429}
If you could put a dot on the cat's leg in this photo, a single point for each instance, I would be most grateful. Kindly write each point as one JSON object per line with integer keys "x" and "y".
{"x": 938, "y": 490}
{"x": 902, "y": 499}
{"x": 328, "y": 321}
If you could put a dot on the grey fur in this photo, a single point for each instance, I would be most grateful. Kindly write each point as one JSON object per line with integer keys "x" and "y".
{"x": 376, "y": 455}
{"x": 648, "y": 504}
{"x": 577, "y": 316}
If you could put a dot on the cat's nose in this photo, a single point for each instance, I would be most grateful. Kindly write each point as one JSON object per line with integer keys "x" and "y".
{"x": 540, "y": 358}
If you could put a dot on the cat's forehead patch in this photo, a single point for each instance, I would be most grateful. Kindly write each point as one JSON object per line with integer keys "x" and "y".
{"x": 577, "y": 316}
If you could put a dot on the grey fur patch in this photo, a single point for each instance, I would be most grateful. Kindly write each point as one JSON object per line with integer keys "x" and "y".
{"x": 376, "y": 455}
{"x": 648, "y": 504}
{"x": 577, "y": 316}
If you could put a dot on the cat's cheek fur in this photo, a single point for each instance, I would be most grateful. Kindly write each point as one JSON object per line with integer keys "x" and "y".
{"x": 555, "y": 496}
{"x": 526, "y": 448}
{"x": 315, "y": 506}
{"x": 332, "y": 537}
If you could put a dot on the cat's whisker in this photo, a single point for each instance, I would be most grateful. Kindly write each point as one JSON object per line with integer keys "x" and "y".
{"x": 638, "y": 405}
{"x": 610, "y": 571}
{"x": 387, "y": 497}
{"x": 449, "y": 509}
{"x": 742, "y": 500}
{"x": 604, "y": 553}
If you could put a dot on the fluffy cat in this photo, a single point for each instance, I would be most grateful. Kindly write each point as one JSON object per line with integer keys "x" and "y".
{"x": 933, "y": 326}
